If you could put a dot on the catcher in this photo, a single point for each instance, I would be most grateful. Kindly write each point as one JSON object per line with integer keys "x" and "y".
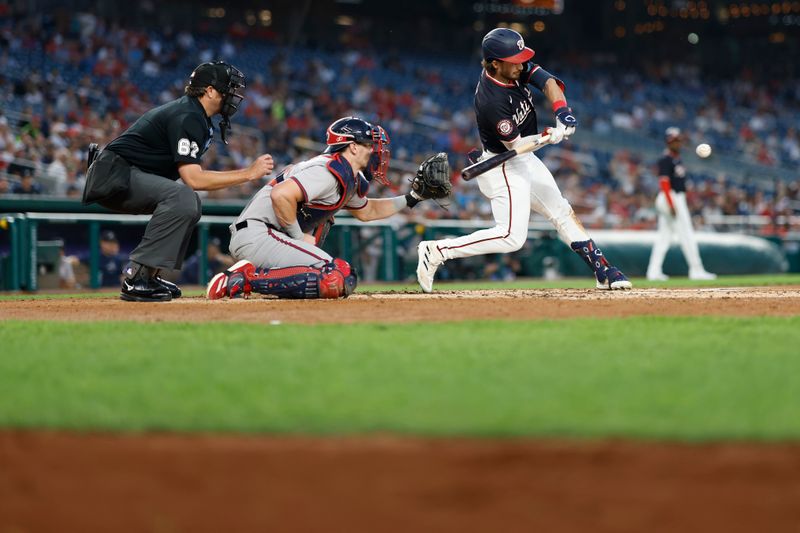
{"x": 278, "y": 235}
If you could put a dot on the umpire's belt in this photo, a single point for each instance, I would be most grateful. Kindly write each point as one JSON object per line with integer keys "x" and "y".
{"x": 252, "y": 223}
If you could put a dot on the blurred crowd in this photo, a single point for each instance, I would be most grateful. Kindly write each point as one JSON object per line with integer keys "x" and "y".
{"x": 67, "y": 82}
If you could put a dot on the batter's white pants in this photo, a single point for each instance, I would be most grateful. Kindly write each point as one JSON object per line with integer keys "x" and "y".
{"x": 669, "y": 225}
{"x": 519, "y": 185}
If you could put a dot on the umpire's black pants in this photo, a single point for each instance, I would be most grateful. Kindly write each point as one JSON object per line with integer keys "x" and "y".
{"x": 176, "y": 210}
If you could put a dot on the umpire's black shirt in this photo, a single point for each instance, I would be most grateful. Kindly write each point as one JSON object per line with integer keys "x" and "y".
{"x": 504, "y": 112}
{"x": 670, "y": 165}
{"x": 176, "y": 132}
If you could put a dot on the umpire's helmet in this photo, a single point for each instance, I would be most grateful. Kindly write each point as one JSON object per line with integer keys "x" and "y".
{"x": 226, "y": 79}
{"x": 505, "y": 45}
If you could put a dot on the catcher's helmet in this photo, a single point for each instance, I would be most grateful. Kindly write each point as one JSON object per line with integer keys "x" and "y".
{"x": 350, "y": 130}
{"x": 226, "y": 79}
{"x": 506, "y": 45}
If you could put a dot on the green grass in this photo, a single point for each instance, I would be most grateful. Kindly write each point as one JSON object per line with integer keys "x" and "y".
{"x": 585, "y": 282}
{"x": 651, "y": 377}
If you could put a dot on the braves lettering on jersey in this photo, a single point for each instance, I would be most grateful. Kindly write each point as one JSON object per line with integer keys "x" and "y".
{"x": 163, "y": 138}
{"x": 670, "y": 165}
{"x": 504, "y": 111}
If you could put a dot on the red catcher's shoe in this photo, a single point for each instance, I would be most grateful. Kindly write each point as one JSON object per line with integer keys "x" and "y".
{"x": 218, "y": 286}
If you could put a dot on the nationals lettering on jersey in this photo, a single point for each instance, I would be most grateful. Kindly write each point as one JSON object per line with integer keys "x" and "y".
{"x": 504, "y": 111}
{"x": 671, "y": 166}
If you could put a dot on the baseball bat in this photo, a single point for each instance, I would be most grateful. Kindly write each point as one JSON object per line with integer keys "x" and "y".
{"x": 495, "y": 161}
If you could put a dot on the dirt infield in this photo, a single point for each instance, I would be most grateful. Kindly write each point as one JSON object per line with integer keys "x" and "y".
{"x": 411, "y": 307}
{"x": 98, "y": 483}
{"x": 55, "y": 481}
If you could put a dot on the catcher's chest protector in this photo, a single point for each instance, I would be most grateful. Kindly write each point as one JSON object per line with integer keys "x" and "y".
{"x": 311, "y": 215}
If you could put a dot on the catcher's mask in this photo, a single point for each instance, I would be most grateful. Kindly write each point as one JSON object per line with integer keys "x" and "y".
{"x": 227, "y": 80}
{"x": 348, "y": 130}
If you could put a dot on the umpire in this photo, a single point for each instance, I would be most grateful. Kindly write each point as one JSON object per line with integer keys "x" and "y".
{"x": 137, "y": 173}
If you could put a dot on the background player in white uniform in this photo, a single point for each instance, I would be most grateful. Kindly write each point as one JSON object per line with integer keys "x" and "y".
{"x": 507, "y": 118}
{"x": 674, "y": 217}
{"x": 277, "y": 236}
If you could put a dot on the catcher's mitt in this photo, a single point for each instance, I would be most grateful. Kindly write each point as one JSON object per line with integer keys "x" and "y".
{"x": 433, "y": 178}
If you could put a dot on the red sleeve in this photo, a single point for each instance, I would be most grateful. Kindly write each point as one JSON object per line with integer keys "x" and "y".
{"x": 664, "y": 183}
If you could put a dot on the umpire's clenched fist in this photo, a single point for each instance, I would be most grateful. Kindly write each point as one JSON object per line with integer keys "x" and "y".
{"x": 262, "y": 166}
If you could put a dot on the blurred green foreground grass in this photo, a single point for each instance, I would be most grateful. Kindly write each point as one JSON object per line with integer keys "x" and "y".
{"x": 649, "y": 377}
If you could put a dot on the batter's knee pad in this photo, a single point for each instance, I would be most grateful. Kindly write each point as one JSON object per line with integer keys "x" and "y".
{"x": 333, "y": 280}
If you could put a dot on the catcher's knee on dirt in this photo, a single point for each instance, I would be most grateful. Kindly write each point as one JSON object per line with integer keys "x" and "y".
{"x": 334, "y": 280}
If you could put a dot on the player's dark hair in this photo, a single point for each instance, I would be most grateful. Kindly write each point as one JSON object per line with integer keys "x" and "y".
{"x": 195, "y": 92}
{"x": 489, "y": 66}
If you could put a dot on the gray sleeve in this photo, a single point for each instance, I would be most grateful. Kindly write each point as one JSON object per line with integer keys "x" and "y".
{"x": 317, "y": 183}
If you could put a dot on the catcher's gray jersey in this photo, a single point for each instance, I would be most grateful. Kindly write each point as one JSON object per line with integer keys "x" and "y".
{"x": 319, "y": 186}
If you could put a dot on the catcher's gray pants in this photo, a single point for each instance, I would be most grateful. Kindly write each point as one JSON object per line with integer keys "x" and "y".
{"x": 175, "y": 209}
{"x": 266, "y": 247}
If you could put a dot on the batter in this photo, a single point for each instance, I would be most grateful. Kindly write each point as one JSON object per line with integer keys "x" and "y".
{"x": 507, "y": 118}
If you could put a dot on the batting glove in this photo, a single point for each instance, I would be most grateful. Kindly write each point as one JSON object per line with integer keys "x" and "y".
{"x": 566, "y": 121}
{"x": 556, "y": 135}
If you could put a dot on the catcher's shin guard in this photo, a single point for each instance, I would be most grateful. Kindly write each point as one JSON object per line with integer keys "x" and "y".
{"x": 347, "y": 272}
{"x": 608, "y": 277}
{"x": 334, "y": 280}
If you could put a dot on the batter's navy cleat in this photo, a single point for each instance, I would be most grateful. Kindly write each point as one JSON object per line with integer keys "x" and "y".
{"x": 607, "y": 276}
{"x": 612, "y": 278}
{"x": 143, "y": 289}
{"x": 173, "y": 289}
{"x": 429, "y": 260}
{"x": 219, "y": 286}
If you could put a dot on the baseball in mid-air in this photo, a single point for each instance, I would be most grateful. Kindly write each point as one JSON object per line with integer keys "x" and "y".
{"x": 703, "y": 150}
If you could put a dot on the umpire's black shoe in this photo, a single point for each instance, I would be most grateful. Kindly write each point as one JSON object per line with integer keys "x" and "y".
{"x": 144, "y": 290}
{"x": 173, "y": 289}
